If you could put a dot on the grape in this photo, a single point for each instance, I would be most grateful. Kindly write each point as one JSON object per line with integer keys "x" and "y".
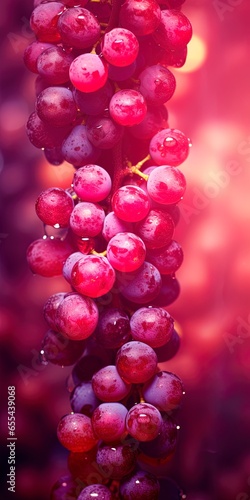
{"x": 54, "y": 156}
{"x": 116, "y": 461}
{"x": 42, "y": 135}
{"x": 50, "y": 307}
{"x": 164, "y": 390}
{"x": 157, "y": 84}
{"x": 140, "y": 486}
{"x": 136, "y": 362}
{"x": 113, "y": 225}
{"x": 154, "y": 121}
{"x": 164, "y": 444}
{"x": 46, "y": 257}
{"x": 156, "y": 230}
{"x": 77, "y": 149}
{"x": 83, "y": 399}
{"x": 108, "y": 422}
{"x": 97, "y": 491}
{"x": 88, "y": 72}
{"x": 93, "y": 276}
{"x": 168, "y": 350}
{"x": 92, "y": 183}
{"x": 61, "y": 351}
{"x": 140, "y": 286}
{"x": 32, "y": 52}
{"x": 78, "y": 28}
{"x": 87, "y": 219}
{"x": 120, "y": 47}
{"x": 53, "y": 65}
{"x": 94, "y": 103}
{"x": 169, "y": 489}
{"x": 174, "y": 30}
{"x": 56, "y": 106}
{"x": 54, "y": 206}
{"x": 170, "y": 147}
{"x": 166, "y": 185}
{"x": 143, "y": 422}
{"x": 103, "y": 132}
{"x": 65, "y": 488}
{"x": 167, "y": 259}
{"x": 44, "y": 20}
{"x": 121, "y": 74}
{"x": 127, "y": 107}
{"x": 76, "y": 316}
{"x": 151, "y": 325}
{"x": 126, "y": 252}
{"x": 169, "y": 291}
{"x": 75, "y": 433}
{"x": 82, "y": 467}
{"x": 69, "y": 264}
{"x": 140, "y": 16}
{"x": 175, "y": 58}
{"x": 109, "y": 386}
{"x": 85, "y": 368}
{"x": 113, "y": 329}
{"x": 130, "y": 203}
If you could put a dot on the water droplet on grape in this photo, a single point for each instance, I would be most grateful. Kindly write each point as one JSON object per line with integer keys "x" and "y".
{"x": 42, "y": 358}
{"x": 55, "y": 231}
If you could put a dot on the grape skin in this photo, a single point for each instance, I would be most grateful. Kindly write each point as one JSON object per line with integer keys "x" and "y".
{"x": 136, "y": 362}
{"x": 109, "y": 386}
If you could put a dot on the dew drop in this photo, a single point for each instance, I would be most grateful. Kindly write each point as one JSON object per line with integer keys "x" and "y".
{"x": 42, "y": 358}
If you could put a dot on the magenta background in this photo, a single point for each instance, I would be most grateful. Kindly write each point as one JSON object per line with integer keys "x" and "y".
{"x": 212, "y": 106}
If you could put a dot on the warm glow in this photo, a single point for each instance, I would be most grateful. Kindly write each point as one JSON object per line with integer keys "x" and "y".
{"x": 60, "y": 176}
{"x": 197, "y": 53}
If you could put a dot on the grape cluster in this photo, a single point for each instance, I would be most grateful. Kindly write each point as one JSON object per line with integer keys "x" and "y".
{"x": 102, "y": 86}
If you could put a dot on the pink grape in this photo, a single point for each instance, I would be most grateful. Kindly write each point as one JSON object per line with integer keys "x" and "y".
{"x": 113, "y": 225}
{"x": 103, "y": 132}
{"x": 109, "y": 422}
{"x": 151, "y": 325}
{"x": 128, "y": 107}
{"x": 126, "y": 252}
{"x": 140, "y": 16}
{"x": 50, "y": 307}
{"x": 174, "y": 30}
{"x": 169, "y": 291}
{"x": 78, "y": 28}
{"x": 168, "y": 258}
{"x": 46, "y": 257}
{"x": 41, "y": 135}
{"x": 69, "y": 264}
{"x": 93, "y": 276}
{"x": 54, "y": 207}
{"x": 164, "y": 390}
{"x": 77, "y": 149}
{"x": 83, "y": 399}
{"x": 120, "y": 47}
{"x": 154, "y": 121}
{"x": 164, "y": 444}
{"x": 157, "y": 84}
{"x": 92, "y": 183}
{"x": 140, "y": 286}
{"x": 75, "y": 433}
{"x": 113, "y": 328}
{"x": 61, "y": 351}
{"x": 32, "y": 52}
{"x": 136, "y": 362}
{"x": 166, "y": 185}
{"x": 97, "y": 491}
{"x": 144, "y": 422}
{"x": 109, "y": 386}
{"x": 54, "y": 156}
{"x": 130, "y": 203}
{"x": 44, "y": 20}
{"x": 116, "y": 460}
{"x": 156, "y": 230}
{"x": 87, "y": 219}
{"x": 56, "y": 106}
{"x": 53, "y": 65}
{"x": 76, "y": 316}
{"x": 88, "y": 72}
{"x": 141, "y": 485}
{"x": 169, "y": 147}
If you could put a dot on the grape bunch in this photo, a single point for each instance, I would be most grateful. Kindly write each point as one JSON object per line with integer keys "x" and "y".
{"x": 103, "y": 81}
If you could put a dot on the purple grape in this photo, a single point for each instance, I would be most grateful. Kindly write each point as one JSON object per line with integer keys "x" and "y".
{"x": 166, "y": 185}
{"x": 141, "y": 286}
{"x": 109, "y": 422}
{"x": 61, "y": 351}
{"x": 164, "y": 444}
{"x": 44, "y": 20}
{"x": 113, "y": 329}
{"x": 53, "y": 65}
{"x": 83, "y": 399}
{"x": 92, "y": 276}
{"x": 169, "y": 291}
{"x": 167, "y": 259}
{"x": 140, "y": 17}
{"x": 144, "y": 422}
{"x": 128, "y": 107}
{"x": 136, "y": 362}
{"x": 42, "y": 135}
{"x": 116, "y": 460}
{"x": 93, "y": 103}
{"x": 151, "y": 325}
{"x": 69, "y": 264}
{"x": 169, "y": 147}
{"x": 95, "y": 491}
{"x": 78, "y": 28}
{"x": 87, "y": 219}
{"x": 126, "y": 252}
{"x": 113, "y": 225}
{"x": 120, "y": 47}
{"x": 109, "y": 386}
{"x": 157, "y": 84}
{"x": 164, "y": 390}
{"x": 77, "y": 149}
{"x": 56, "y": 106}
{"x": 155, "y": 120}
{"x": 156, "y": 230}
{"x": 76, "y": 316}
{"x": 66, "y": 487}
{"x": 170, "y": 349}
{"x": 140, "y": 486}
{"x": 103, "y": 132}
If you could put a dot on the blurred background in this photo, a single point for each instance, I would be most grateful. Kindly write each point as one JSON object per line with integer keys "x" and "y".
{"x": 212, "y": 106}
